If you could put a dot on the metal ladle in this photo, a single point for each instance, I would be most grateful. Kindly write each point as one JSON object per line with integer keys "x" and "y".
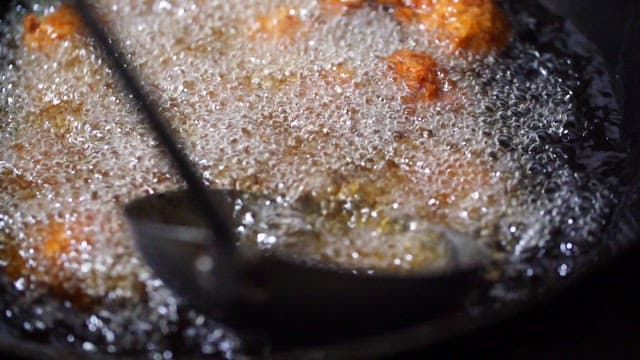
{"x": 188, "y": 239}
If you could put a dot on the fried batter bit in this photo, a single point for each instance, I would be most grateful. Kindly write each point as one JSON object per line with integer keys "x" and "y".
{"x": 39, "y": 33}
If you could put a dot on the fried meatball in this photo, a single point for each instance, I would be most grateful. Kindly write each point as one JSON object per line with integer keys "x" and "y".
{"x": 419, "y": 72}
{"x": 55, "y": 242}
{"x": 479, "y": 26}
{"x": 281, "y": 23}
{"x": 40, "y": 33}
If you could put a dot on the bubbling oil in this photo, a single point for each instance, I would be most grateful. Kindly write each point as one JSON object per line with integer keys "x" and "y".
{"x": 314, "y": 119}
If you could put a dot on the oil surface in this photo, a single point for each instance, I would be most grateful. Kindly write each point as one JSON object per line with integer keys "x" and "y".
{"x": 521, "y": 155}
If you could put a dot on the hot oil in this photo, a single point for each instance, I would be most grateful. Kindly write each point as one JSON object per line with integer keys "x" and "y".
{"x": 515, "y": 157}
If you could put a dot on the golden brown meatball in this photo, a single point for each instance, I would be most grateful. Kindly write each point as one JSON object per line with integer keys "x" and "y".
{"x": 419, "y": 72}
{"x": 282, "y": 23}
{"x": 57, "y": 238}
{"x": 40, "y": 33}
{"x": 479, "y": 26}
{"x": 54, "y": 241}
{"x": 14, "y": 182}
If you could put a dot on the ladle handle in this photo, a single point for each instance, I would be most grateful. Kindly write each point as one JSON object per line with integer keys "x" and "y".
{"x": 223, "y": 245}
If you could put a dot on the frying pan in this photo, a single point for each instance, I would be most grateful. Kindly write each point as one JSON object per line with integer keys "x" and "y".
{"x": 612, "y": 26}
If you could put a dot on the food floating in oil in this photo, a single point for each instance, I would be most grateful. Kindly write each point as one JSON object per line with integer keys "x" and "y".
{"x": 374, "y": 117}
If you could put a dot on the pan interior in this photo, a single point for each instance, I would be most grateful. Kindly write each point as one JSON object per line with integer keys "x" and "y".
{"x": 542, "y": 114}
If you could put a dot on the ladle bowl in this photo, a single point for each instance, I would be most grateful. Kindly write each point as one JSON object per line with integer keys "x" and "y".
{"x": 283, "y": 297}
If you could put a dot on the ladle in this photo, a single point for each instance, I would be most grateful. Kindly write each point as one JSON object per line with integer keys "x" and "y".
{"x": 188, "y": 239}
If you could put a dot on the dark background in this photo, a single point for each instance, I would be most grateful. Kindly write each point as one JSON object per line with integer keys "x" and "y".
{"x": 597, "y": 318}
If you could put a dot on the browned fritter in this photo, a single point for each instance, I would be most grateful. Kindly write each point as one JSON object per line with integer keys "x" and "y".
{"x": 418, "y": 71}
{"x": 282, "y": 23}
{"x": 40, "y": 33}
{"x": 56, "y": 241}
{"x": 479, "y": 26}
